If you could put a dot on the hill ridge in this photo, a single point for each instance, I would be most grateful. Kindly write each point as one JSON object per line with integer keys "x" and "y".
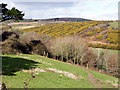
{"x": 70, "y": 19}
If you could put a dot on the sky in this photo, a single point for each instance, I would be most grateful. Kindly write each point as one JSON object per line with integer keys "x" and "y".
{"x": 88, "y": 9}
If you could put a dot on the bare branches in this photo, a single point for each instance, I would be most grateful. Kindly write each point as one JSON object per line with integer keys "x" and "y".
{"x": 69, "y": 48}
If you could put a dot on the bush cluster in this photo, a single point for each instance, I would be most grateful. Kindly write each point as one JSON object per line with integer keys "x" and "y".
{"x": 6, "y": 34}
{"x": 28, "y": 43}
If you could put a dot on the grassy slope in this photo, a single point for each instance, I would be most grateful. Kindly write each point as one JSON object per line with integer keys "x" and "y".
{"x": 109, "y": 51}
{"x": 15, "y": 78}
{"x": 114, "y": 24}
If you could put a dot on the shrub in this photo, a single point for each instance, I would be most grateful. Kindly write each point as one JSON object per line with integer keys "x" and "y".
{"x": 6, "y": 34}
{"x": 37, "y": 47}
{"x": 105, "y": 46}
{"x": 99, "y": 37}
{"x": 13, "y": 46}
{"x": 90, "y": 59}
{"x": 29, "y": 36}
{"x": 113, "y": 65}
{"x": 26, "y": 43}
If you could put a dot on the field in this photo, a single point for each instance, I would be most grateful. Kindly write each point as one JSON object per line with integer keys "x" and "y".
{"x": 24, "y": 24}
{"x": 105, "y": 50}
{"x": 49, "y": 73}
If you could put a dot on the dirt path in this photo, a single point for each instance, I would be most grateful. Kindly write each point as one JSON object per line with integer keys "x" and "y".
{"x": 98, "y": 83}
{"x": 95, "y": 82}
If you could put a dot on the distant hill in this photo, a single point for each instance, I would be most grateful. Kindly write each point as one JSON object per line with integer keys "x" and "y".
{"x": 67, "y": 19}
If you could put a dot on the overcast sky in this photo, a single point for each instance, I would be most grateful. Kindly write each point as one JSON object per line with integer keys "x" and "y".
{"x": 89, "y": 9}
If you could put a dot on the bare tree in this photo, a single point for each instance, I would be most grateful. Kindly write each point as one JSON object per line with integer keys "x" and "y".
{"x": 70, "y": 48}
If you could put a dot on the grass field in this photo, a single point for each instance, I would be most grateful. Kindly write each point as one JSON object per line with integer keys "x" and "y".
{"x": 105, "y": 50}
{"x": 114, "y": 24}
{"x": 50, "y": 73}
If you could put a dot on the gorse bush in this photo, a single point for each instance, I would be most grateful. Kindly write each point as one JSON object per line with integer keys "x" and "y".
{"x": 105, "y": 46}
{"x": 86, "y": 28}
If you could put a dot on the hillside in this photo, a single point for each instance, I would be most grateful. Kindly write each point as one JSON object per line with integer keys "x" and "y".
{"x": 67, "y": 19}
{"x": 98, "y": 33}
{"x": 49, "y": 73}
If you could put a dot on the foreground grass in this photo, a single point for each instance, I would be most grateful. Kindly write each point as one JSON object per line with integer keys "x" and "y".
{"x": 14, "y": 77}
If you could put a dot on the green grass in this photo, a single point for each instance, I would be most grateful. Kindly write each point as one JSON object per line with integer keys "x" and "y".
{"x": 105, "y": 50}
{"x": 114, "y": 24}
{"x": 15, "y": 78}
{"x": 102, "y": 76}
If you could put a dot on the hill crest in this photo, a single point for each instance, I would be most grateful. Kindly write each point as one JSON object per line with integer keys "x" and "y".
{"x": 67, "y": 19}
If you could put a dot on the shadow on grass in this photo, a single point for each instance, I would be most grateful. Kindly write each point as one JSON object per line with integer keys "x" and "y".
{"x": 11, "y": 65}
